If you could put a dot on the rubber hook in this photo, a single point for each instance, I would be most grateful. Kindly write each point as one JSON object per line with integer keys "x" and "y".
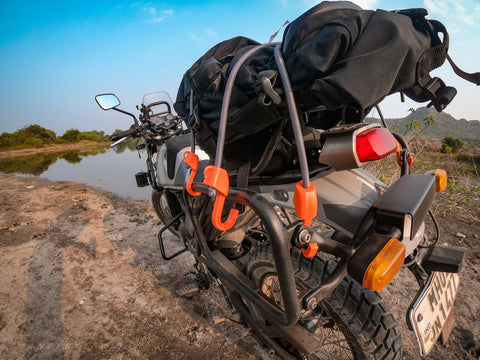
{"x": 191, "y": 160}
{"x": 217, "y": 178}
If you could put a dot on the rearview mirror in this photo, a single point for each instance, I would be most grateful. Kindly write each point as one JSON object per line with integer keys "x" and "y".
{"x": 107, "y": 101}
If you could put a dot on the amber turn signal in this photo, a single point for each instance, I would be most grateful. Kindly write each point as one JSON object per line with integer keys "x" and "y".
{"x": 377, "y": 261}
{"x": 440, "y": 180}
{"x": 385, "y": 265}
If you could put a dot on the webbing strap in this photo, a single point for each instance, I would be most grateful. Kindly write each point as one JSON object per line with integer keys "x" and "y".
{"x": 471, "y": 77}
{"x": 436, "y": 55}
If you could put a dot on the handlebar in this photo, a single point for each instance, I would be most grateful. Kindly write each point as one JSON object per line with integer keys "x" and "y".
{"x": 123, "y": 134}
{"x": 157, "y": 132}
{"x": 157, "y": 103}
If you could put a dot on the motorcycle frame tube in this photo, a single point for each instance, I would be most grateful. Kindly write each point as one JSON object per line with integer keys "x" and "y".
{"x": 152, "y": 174}
{"x": 344, "y": 197}
{"x": 281, "y": 255}
{"x": 302, "y": 339}
{"x": 404, "y": 168}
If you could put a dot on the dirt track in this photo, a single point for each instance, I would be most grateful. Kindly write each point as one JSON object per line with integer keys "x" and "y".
{"x": 82, "y": 278}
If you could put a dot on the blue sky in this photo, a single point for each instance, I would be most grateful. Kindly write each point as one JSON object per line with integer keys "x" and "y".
{"x": 56, "y": 55}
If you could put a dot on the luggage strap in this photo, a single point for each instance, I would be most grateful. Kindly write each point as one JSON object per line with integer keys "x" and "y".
{"x": 434, "y": 89}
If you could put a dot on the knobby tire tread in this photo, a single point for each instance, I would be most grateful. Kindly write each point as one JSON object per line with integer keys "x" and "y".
{"x": 164, "y": 218}
{"x": 365, "y": 316}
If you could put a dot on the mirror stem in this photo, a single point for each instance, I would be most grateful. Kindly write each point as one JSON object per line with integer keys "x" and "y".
{"x": 127, "y": 113}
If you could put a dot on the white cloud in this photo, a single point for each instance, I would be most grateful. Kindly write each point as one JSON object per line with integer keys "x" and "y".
{"x": 164, "y": 14}
{"x": 464, "y": 11}
{"x": 204, "y": 37}
{"x": 151, "y": 13}
{"x": 364, "y": 4}
{"x": 210, "y": 32}
{"x": 367, "y": 4}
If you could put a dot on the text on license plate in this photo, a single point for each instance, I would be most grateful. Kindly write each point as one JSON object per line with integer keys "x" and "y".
{"x": 430, "y": 310}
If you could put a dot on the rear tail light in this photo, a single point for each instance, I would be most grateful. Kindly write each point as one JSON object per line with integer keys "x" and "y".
{"x": 374, "y": 144}
{"x": 349, "y": 146}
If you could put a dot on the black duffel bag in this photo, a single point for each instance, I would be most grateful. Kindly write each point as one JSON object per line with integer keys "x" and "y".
{"x": 341, "y": 62}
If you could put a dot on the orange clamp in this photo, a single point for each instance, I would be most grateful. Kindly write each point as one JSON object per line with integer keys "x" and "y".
{"x": 399, "y": 156}
{"x": 217, "y": 178}
{"x": 398, "y": 151}
{"x": 305, "y": 201}
{"x": 410, "y": 161}
{"x": 311, "y": 250}
{"x": 191, "y": 160}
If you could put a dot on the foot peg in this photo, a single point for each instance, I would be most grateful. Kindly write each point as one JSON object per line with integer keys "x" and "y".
{"x": 194, "y": 286}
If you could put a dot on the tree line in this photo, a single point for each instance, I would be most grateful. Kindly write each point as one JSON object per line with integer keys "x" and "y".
{"x": 37, "y": 136}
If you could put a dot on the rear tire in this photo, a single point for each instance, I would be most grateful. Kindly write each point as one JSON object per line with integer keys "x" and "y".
{"x": 353, "y": 322}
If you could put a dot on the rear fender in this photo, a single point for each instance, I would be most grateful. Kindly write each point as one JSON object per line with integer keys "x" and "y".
{"x": 344, "y": 197}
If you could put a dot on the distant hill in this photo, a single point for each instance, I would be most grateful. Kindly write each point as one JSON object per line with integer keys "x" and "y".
{"x": 445, "y": 125}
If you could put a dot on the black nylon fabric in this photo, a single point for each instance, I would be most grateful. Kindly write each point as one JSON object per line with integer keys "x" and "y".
{"x": 357, "y": 60}
{"x": 340, "y": 59}
{"x": 213, "y": 60}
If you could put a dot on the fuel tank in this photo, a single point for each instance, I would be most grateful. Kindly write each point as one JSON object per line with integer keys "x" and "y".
{"x": 171, "y": 169}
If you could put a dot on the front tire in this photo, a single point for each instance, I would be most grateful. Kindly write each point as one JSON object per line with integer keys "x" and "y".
{"x": 352, "y": 323}
{"x": 166, "y": 207}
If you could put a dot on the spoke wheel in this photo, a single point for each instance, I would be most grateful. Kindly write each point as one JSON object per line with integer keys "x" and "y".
{"x": 352, "y": 323}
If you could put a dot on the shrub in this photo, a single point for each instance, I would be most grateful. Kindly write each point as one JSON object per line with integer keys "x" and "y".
{"x": 72, "y": 135}
{"x": 451, "y": 145}
{"x": 36, "y": 131}
{"x": 7, "y": 140}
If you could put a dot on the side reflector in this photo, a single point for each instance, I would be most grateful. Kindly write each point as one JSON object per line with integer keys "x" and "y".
{"x": 385, "y": 265}
{"x": 441, "y": 180}
{"x": 374, "y": 144}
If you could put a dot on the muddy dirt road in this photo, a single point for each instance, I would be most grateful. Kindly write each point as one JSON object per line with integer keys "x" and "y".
{"x": 81, "y": 277}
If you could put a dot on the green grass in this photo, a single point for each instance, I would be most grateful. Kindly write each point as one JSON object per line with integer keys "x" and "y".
{"x": 462, "y": 195}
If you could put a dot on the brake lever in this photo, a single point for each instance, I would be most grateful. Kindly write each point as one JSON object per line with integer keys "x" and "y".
{"x": 119, "y": 141}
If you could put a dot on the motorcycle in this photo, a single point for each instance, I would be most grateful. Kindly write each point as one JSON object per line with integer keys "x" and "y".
{"x": 302, "y": 261}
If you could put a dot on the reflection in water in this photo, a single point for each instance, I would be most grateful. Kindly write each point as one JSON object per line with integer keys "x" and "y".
{"x": 129, "y": 144}
{"x": 38, "y": 164}
{"x": 110, "y": 169}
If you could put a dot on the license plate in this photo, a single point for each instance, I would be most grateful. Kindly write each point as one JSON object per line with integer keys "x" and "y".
{"x": 429, "y": 312}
